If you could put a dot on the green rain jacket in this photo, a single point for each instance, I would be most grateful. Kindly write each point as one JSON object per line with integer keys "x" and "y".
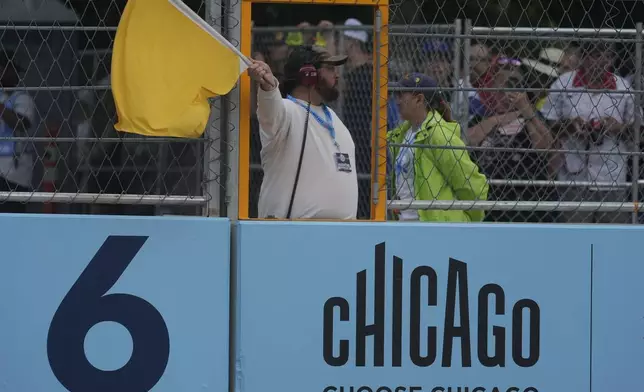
{"x": 442, "y": 173}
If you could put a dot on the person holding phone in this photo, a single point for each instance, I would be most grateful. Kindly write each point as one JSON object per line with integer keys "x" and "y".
{"x": 505, "y": 124}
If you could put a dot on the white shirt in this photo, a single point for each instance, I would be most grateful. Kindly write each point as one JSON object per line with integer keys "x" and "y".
{"x": 405, "y": 175}
{"x": 323, "y": 191}
{"x": 17, "y": 158}
{"x": 588, "y": 106}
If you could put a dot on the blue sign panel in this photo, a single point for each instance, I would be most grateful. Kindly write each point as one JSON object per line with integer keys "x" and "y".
{"x": 113, "y": 304}
{"x": 413, "y": 308}
{"x": 618, "y": 310}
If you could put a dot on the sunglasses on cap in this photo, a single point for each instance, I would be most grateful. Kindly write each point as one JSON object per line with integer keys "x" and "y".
{"x": 508, "y": 61}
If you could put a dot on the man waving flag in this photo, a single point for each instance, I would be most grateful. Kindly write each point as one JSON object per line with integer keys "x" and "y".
{"x": 167, "y": 62}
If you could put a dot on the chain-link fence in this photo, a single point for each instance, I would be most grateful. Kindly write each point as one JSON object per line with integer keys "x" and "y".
{"x": 549, "y": 117}
{"x": 550, "y": 129}
{"x": 514, "y": 167}
{"x": 60, "y": 151}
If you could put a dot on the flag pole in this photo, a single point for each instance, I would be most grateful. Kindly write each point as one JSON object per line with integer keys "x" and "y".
{"x": 190, "y": 14}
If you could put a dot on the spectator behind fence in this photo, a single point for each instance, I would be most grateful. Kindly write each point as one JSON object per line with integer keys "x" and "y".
{"x": 631, "y": 76}
{"x": 325, "y": 37}
{"x": 396, "y": 71}
{"x": 488, "y": 119}
{"x": 599, "y": 123}
{"x": 298, "y": 38}
{"x": 17, "y": 119}
{"x": 543, "y": 72}
{"x": 426, "y": 173}
{"x": 570, "y": 60}
{"x": 301, "y": 132}
{"x": 480, "y": 57}
{"x": 508, "y": 124}
{"x": 479, "y": 63}
{"x": 276, "y": 54}
{"x": 356, "y": 108}
{"x": 438, "y": 63}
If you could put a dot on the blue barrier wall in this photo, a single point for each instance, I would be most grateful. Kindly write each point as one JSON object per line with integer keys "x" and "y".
{"x": 135, "y": 304}
{"x": 165, "y": 279}
{"x": 330, "y": 307}
{"x": 618, "y": 308}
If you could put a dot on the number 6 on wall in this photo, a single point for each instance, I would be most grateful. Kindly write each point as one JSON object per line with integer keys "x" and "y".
{"x": 86, "y": 305}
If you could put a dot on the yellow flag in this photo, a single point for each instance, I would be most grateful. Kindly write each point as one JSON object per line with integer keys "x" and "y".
{"x": 166, "y": 63}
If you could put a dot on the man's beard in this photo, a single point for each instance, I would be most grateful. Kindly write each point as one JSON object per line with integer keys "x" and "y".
{"x": 328, "y": 93}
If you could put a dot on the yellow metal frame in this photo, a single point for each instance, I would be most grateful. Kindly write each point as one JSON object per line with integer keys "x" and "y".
{"x": 379, "y": 210}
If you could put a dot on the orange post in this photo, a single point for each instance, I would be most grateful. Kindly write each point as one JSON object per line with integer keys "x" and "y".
{"x": 243, "y": 190}
{"x": 379, "y": 105}
{"x": 381, "y": 8}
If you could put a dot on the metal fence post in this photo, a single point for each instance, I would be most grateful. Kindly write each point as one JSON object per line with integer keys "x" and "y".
{"x": 456, "y": 64}
{"x": 212, "y": 152}
{"x": 637, "y": 121}
{"x": 467, "y": 82}
{"x": 233, "y": 34}
{"x": 231, "y": 128}
{"x": 230, "y": 122}
{"x": 375, "y": 186}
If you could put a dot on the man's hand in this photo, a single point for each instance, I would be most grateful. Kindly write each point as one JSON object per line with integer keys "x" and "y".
{"x": 325, "y": 37}
{"x": 577, "y": 127}
{"x": 259, "y": 56}
{"x": 609, "y": 124}
{"x": 521, "y": 103}
{"x": 326, "y": 30}
{"x": 260, "y": 72}
{"x": 447, "y": 111}
{"x": 307, "y": 36}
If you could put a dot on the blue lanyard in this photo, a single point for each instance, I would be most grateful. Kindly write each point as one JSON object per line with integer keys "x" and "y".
{"x": 327, "y": 124}
{"x": 410, "y": 138}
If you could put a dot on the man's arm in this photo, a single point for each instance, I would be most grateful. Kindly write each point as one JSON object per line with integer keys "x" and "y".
{"x": 477, "y": 132}
{"x": 552, "y": 108}
{"x": 271, "y": 111}
{"x": 611, "y": 126}
{"x": 539, "y": 133}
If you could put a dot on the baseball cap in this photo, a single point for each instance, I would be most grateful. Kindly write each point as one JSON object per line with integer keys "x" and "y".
{"x": 415, "y": 80}
{"x": 419, "y": 80}
{"x": 548, "y": 63}
{"x": 314, "y": 55}
{"x": 552, "y": 56}
{"x": 542, "y": 68}
{"x": 359, "y": 35}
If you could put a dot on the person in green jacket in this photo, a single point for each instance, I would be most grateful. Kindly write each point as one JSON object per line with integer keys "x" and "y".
{"x": 425, "y": 173}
